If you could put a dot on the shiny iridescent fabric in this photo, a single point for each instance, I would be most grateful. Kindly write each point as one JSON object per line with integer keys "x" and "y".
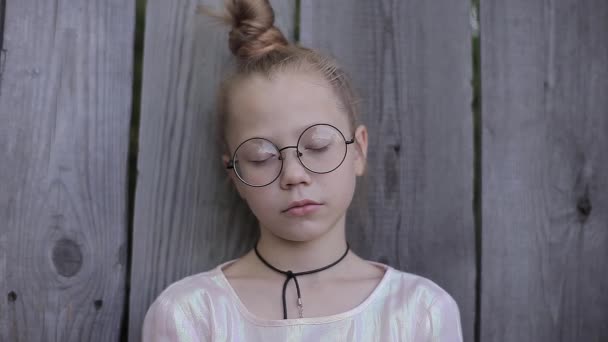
{"x": 205, "y": 307}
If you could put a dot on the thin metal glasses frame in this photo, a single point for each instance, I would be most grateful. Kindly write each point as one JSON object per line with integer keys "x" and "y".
{"x": 231, "y": 162}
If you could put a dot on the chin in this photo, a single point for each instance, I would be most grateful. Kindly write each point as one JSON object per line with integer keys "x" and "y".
{"x": 300, "y": 232}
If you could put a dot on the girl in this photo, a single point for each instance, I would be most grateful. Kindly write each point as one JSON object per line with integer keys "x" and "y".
{"x": 293, "y": 151}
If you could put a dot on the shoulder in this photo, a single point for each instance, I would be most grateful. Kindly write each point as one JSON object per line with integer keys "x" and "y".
{"x": 427, "y": 291}
{"x": 438, "y": 311}
{"x": 182, "y": 291}
{"x": 184, "y": 305}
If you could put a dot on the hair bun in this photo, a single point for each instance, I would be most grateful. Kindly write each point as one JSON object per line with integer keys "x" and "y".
{"x": 253, "y": 32}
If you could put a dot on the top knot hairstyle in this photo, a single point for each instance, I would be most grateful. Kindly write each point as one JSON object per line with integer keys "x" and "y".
{"x": 253, "y": 32}
{"x": 261, "y": 48}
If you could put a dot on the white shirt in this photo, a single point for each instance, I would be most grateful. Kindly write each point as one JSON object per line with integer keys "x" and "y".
{"x": 402, "y": 307}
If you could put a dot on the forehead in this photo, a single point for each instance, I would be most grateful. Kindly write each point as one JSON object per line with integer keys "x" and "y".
{"x": 281, "y": 107}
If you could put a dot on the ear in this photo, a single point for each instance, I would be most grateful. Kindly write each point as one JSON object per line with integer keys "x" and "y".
{"x": 231, "y": 175}
{"x": 225, "y": 160}
{"x": 361, "y": 149}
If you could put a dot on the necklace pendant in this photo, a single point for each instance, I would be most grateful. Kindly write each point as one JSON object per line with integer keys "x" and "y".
{"x": 300, "y": 308}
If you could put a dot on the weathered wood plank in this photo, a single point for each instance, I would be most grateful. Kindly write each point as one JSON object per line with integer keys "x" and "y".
{"x": 411, "y": 61}
{"x": 65, "y": 97}
{"x": 545, "y": 169}
{"x": 187, "y": 218}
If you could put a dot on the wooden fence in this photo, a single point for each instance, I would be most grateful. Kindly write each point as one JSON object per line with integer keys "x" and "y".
{"x": 545, "y": 170}
{"x": 508, "y": 211}
{"x": 65, "y": 105}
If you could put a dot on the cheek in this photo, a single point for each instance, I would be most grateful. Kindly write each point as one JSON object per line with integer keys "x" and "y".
{"x": 340, "y": 182}
{"x": 348, "y": 167}
{"x": 259, "y": 200}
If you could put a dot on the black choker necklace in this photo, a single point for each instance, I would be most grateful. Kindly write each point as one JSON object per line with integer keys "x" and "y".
{"x": 290, "y": 275}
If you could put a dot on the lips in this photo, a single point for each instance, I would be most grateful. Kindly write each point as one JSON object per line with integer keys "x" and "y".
{"x": 301, "y": 203}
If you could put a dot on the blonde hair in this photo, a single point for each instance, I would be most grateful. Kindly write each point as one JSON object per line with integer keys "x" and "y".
{"x": 261, "y": 48}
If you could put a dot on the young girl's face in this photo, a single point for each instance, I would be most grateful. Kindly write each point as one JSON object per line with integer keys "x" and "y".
{"x": 280, "y": 109}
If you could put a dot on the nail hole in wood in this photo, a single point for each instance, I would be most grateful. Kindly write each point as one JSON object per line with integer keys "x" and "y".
{"x": 584, "y": 207}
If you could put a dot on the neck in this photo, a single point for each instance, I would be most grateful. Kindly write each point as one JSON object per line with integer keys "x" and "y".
{"x": 300, "y": 256}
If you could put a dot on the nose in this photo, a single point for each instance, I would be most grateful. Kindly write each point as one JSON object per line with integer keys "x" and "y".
{"x": 293, "y": 171}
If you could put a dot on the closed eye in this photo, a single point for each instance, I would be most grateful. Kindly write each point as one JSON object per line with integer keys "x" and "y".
{"x": 259, "y": 161}
{"x": 318, "y": 149}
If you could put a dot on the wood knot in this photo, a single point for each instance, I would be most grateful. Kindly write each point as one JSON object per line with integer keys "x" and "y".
{"x": 12, "y": 296}
{"x": 98, "y": 304}
{"x": 67, "y": 257}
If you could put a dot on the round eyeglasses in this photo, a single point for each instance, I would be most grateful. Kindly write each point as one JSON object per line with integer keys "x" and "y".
{"x": 321, "y": 148}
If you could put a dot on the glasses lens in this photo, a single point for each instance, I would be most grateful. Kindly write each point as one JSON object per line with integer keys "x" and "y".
{"x": 322, "y": 147}
{"x": 257, "y": 162}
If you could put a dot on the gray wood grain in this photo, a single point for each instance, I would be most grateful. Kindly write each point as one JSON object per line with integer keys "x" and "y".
{"x": 187, "y": 216}
{"x": 65, "y": 97}
{"x": 411, "y": 61}
{"x": 545, "y": 170}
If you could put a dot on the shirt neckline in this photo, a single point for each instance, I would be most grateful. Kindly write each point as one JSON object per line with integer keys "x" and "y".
{"x": 306, "y": 320}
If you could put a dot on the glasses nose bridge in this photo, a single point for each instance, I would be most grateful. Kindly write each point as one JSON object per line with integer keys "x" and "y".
{"x": 286, "y": 147}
